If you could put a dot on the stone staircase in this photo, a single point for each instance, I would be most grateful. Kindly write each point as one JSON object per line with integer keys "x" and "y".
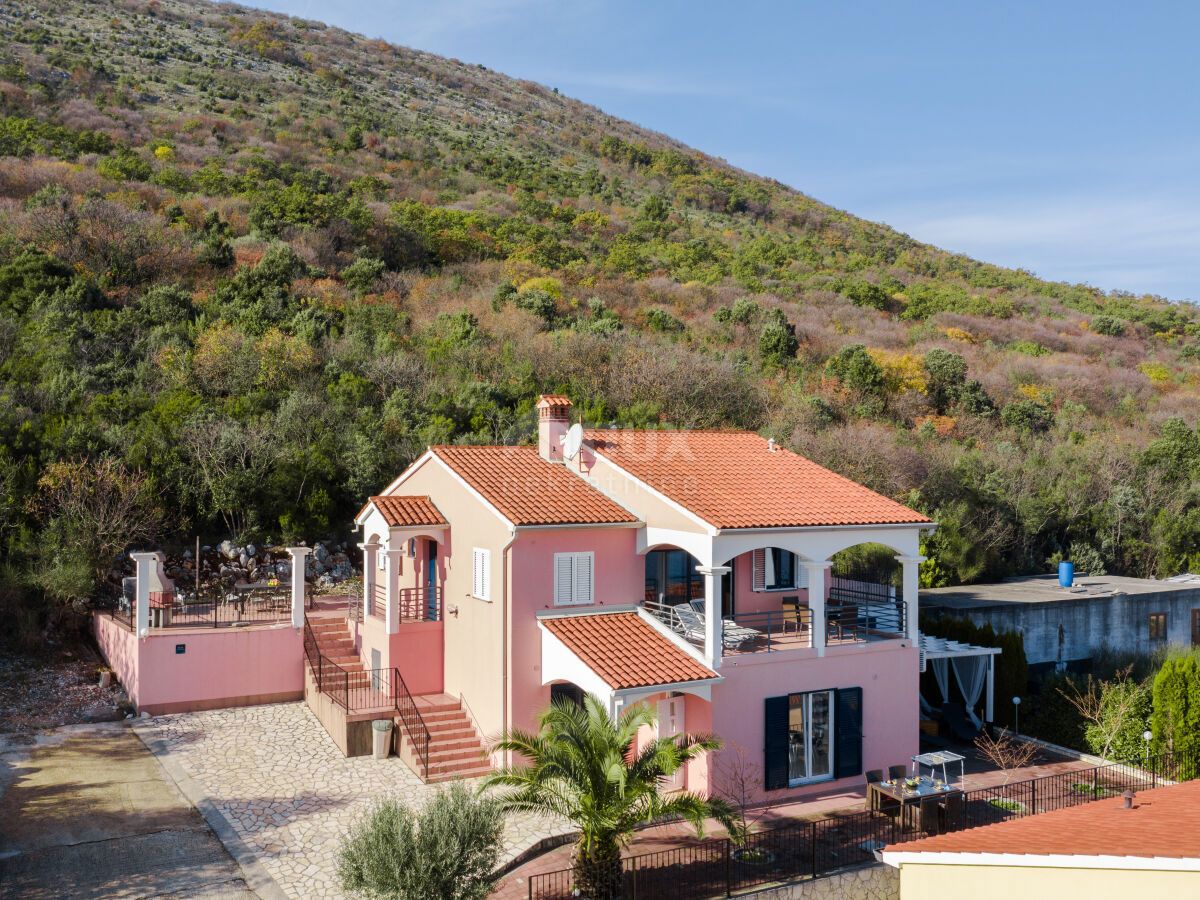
{"x": 456, "y": 749}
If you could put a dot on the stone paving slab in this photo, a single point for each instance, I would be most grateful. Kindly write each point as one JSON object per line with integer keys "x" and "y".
{"x": 286, "y": 795}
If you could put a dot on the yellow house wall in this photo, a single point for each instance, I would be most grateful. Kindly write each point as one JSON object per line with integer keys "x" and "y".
{"x": 474, "y": 657}
{"x": 929, "y": 882}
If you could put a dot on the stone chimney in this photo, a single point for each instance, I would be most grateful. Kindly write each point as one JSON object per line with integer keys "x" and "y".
{"x": 554, "y": 418}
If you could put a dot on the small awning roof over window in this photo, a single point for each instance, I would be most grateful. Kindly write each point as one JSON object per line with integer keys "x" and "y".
{"x": 619, "y": 656}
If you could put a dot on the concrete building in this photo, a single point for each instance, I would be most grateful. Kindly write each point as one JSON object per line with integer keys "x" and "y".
{"x": 1065, "y": 627}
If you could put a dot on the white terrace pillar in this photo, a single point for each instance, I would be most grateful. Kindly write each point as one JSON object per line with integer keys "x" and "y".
{"x": 817, "y": 570}
{"x": 299, "y": 564}
{"x": 911, "y": 586}
{"x": 713, "y": 622}
{"x": 391, "y": 616}
{"x": 146, "y": 565}
{"x": 370, "y": 551}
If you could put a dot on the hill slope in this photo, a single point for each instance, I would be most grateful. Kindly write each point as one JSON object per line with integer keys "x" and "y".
{"x": 257, "y": 264}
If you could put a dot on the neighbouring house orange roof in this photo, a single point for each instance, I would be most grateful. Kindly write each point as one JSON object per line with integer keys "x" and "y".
{"x": 406, "y": 511}
{"x": 732, "y": 479}
{"x": 1164, "y": 822}
{"x": 553, "y": 400}
{"x": 528, "y": 490}
{"x": 625, "y": 651}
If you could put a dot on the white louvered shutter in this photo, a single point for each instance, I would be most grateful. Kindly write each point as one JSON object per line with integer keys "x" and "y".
{"x": 564, "y": 578}
{"x": 583, "y": 578}
{"x": 481, "y": 575}
{"x": 801, "y": 571}
{"x": 758, "y": 581}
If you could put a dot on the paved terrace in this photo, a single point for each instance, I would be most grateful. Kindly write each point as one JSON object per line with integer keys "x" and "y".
{"x": 288, "y": 795}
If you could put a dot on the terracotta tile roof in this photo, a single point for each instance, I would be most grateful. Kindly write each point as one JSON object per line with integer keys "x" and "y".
{"x": 553, "y": 400}
{"x": 625, "y": 651}
{"x": 1164, "y": 822}
{"x": 401, "y": 511}
{"x": 530, "y": 491}
{"x": 731, "y": 479}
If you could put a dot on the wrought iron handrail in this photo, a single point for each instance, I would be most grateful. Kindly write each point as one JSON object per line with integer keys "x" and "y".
{"x": 411, "y": 719}
{"x": 325, "y": 670}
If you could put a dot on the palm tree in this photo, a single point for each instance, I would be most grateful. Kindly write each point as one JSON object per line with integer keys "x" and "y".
{"x": 580, "y": 765}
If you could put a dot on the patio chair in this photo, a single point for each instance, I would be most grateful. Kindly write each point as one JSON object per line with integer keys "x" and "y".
{"x": 691, "y": 625}
{"x": 897, "y": 773}
{"x": 734, "y": 635}
{"x": 930, "y": 815}
{"x": 952, "y": 812}
{"x": 793, "y": 619}
{"x": 874, "y": 776}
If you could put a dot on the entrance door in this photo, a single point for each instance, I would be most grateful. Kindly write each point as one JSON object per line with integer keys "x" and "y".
{"x": 670, "y": 724}
{"x": 431, "y": 579}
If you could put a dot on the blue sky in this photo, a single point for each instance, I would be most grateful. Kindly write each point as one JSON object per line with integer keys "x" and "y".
{"x": 1059, "y": 137}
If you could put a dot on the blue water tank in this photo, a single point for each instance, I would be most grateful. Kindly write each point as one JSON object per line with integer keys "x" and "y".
{"x": 1066, "y": 574}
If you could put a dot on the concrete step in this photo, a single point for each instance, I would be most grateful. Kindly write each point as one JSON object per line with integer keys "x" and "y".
{"x": 453, "y": 771}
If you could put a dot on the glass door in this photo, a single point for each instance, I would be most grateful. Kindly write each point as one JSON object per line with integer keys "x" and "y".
{"x": 810, "y": 736}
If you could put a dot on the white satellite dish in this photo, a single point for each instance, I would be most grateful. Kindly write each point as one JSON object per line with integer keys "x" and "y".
{"x": 573, "y": 441}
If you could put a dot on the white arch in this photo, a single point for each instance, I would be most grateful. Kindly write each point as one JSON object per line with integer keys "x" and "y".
{"x": 817, "y": 544}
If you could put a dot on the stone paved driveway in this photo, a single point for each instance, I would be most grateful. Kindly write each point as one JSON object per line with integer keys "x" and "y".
{"x": 287, "y": 794}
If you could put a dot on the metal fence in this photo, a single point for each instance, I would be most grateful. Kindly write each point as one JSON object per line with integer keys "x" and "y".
{"x": 217, "y": 606}
{"x": 814, "y": 849}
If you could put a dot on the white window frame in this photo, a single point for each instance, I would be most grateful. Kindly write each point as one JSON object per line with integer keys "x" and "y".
{"x": 572, "y": 559}
{"x": 481, "y": 573}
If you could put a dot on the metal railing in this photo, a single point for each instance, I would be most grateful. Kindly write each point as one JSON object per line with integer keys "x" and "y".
{"x": 370, "y": 690}
{"x": 331, "y": 678}
{"x": 750, "y": 632}
{"x": 814, "y": 849}
{"x": 416, "y": 604}
{"x": 411, "y": 719}
{"x": 216, "y": 606}
{"x": 850, "y": 621}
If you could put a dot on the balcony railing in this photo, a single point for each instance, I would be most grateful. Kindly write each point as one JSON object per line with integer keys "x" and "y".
{"x": 217, "y": 606}
{"x": 417, "y": 604}
{"x": 787, "y": 628}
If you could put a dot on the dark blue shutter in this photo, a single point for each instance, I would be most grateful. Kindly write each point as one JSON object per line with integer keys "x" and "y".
{"x": 775, "y": 762}
{"x": 847, "y": 752}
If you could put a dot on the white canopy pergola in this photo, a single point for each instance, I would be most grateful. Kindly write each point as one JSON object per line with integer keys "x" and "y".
{"x": 974, "y": 668}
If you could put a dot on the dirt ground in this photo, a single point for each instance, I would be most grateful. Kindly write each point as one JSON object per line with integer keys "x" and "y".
{"x": 87, "y": 811}
{"x": 43, "y": 692}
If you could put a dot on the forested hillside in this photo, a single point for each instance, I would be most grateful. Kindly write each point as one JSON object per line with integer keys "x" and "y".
{"x": 251, "y": 266}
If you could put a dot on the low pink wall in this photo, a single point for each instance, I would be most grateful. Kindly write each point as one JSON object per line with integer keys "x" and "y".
{"x": 888, "y": 677}
{"x": 119, "y": 646}
{"x": 219, "y": 667}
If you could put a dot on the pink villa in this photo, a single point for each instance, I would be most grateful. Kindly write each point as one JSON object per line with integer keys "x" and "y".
{"x": 690, "y": 570}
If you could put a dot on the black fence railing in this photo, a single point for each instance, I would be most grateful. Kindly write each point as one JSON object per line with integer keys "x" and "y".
{"x": 863, "y": 620}
{"x": 370, "y": 690}
{"x": 814, "y": 849}
{"x": 216, "y": 606}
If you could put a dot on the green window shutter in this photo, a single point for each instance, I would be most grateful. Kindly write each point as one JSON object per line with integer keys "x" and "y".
{"x": 847, "y": 753}
{"x": 775, "y": 763}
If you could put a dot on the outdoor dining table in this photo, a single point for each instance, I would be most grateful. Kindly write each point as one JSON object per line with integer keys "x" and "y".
{"x": 908, "y": 798}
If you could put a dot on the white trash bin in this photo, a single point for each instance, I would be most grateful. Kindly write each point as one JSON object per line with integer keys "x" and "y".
{"x": 381, "y": 734}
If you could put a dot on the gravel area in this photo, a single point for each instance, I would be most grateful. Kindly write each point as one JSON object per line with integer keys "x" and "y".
{"x": 40, "y": 692}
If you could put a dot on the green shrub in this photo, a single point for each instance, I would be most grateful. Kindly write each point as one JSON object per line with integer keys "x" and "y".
{"x": 662, "y": 321}
{"x": 447, "y": 850}
{"x": 1175, "y": 720}
{"x": 777, "y": 342}
{"x": 362, "y": 274}
{"x": 1027, "y": 415}
{"x": 1110, "y": 325}
{"x": 856, "y": 370}
{"x": 865, "y": 293}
